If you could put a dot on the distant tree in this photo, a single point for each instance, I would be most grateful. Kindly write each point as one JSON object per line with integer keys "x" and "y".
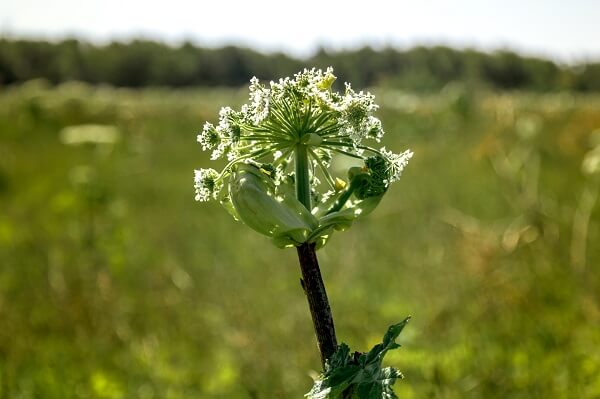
{"x": 146, "y": 63}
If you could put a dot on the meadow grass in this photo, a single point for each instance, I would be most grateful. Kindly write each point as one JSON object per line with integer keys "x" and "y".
{"x": 114, "y": 283}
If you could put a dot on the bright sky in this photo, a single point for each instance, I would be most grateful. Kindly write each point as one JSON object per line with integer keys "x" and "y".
{"x": 567, "y": 30}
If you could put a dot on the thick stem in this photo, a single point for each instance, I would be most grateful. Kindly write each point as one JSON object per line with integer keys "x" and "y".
{"x": 313, "y": 286}
{"x": 312, "y": 282}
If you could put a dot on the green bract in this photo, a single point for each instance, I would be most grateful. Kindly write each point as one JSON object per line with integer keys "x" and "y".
{"x": 279, "y": 149}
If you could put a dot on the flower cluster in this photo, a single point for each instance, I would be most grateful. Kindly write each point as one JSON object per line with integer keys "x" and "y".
{"x": 282, "y": 116}
{"x": 206, "y": 184}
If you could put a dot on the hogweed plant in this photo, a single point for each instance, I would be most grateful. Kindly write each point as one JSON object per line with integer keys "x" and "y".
{"x": 278, "y": 180}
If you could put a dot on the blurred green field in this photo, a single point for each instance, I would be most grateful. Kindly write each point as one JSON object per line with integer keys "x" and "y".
{"x": 114, "y": 283}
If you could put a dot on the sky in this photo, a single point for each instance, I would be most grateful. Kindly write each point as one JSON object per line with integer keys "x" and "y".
{"x": 566, "y": 31}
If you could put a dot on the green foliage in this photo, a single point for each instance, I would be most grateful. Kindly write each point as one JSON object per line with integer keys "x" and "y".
{"x": 115, "y": 283}
{"x": 145, "y": 63}
{"x": 360, "y": 375}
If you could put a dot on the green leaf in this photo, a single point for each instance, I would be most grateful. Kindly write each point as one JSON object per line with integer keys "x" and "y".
{"x": 389, "y": 342}
{"x": 369, "y": 390}
{"x": 340, "y": 358}
{"x": 360, "y": 375}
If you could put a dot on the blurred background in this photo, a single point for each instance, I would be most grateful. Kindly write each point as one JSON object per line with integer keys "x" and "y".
{"x": 114, "y": 283}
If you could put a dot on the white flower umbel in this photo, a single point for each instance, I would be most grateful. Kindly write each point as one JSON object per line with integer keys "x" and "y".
{"x": 210, "y": 137}
{"x": 396, "y": 163}
{"x": 206, "y": 184}
{"x": 304, "y": 111}
{"x": 289, "y": 133}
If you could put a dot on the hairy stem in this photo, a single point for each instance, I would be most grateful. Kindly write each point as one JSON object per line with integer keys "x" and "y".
{"x": 311, "y": 281}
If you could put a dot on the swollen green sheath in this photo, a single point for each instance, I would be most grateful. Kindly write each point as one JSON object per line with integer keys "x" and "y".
{"x": 258, "y": 204}
{"x": 279, "y": 149}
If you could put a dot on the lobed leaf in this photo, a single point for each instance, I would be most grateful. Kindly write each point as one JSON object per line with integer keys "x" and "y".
{"x": 360, "y": 376}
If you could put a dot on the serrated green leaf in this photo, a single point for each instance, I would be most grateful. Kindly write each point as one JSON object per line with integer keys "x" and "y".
{"x": 363, "y": 376}
{"x": 340, "y": 358}
{"x": 394, "y": 331}
{"x": 343, "y": 374}
{"x": 389, "y": 342}
{"x": 369, "y": 390}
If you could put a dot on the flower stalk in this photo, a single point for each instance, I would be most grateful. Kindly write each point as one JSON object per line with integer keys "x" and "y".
{"x": 312, "y": 281}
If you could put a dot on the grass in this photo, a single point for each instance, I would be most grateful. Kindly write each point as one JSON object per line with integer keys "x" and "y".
{"x": 114, "y": 283}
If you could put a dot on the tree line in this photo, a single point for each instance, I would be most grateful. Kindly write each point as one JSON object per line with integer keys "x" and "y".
{"x": 141, "y": 63}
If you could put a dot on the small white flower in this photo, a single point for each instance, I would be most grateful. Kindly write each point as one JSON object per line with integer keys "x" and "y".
{"x": 220, "y": 150}
{"x": 209, "y": 137}
{"x": 374, "y": 129}
{"x": 327, "y": 195}
{"x": 259, "y": 101}
{"x": 355, "y": 114}
{"x": 206, "y": 184}
{"x": 225, "y": 126}
{"x": 397, "y": 163}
